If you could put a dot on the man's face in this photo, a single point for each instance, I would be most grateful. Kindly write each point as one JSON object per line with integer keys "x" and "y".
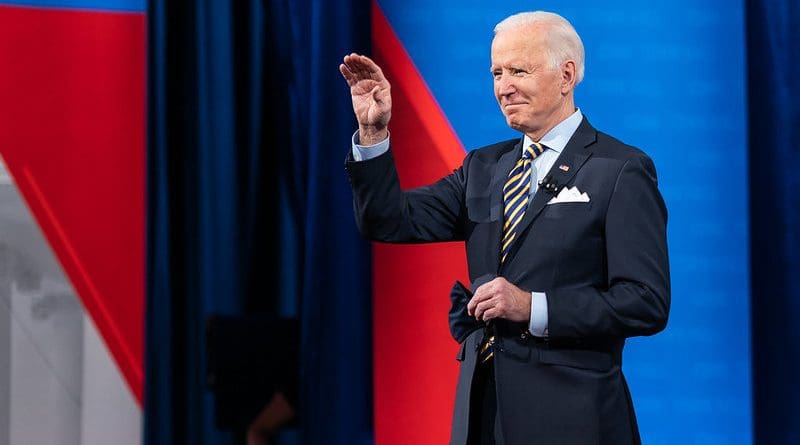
{"x": 531, "y": 94}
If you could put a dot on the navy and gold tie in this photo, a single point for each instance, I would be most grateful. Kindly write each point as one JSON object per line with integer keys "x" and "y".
{"x": 516, "y": 195}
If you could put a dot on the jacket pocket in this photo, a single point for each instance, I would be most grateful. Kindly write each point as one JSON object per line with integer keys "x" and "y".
{"x": 567, "y": 209}
{"x": 576, "y": 358}
{"x": 479, "y": 209}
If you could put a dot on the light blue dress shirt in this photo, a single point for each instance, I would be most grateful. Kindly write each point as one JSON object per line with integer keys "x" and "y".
{"x": 555, "y": 140}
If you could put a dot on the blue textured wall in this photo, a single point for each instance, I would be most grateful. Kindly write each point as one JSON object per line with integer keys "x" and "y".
{"x": 668, "y": 77}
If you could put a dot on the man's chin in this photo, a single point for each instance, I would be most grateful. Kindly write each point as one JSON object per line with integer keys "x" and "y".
{"x": 515, "y": 124}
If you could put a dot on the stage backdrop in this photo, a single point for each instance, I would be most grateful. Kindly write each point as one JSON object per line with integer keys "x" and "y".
{"x": 72, "y": 137}
{"x": 666, "y": 77}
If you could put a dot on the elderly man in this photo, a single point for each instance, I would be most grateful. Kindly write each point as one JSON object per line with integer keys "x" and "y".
{"x": 565, "y": 233}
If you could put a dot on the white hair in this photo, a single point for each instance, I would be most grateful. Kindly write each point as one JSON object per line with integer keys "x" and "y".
{"x": 563, "y": 41}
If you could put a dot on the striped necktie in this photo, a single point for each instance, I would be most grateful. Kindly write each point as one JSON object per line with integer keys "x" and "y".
{"x": 516, "y": 194}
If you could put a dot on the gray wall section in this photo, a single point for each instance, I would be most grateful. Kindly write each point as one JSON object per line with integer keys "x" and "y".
{"x": 46, "y": 363}
{"x": 58, "y": 383}
{"x": 5, "y": 346}
{"x": 104, "y": 387}
{"x": 5, "y": 330}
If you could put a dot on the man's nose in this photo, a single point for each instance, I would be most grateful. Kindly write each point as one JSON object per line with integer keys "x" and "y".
{"x": 505, "y": 86}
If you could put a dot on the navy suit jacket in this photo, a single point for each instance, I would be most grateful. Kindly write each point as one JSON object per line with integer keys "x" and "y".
{"x": 602, "y": 264}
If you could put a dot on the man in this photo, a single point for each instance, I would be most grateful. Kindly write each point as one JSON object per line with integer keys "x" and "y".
{"x": 565, "y": 233}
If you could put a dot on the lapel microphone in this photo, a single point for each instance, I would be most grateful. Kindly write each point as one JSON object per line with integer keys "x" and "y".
{"x": 550, "y": 184}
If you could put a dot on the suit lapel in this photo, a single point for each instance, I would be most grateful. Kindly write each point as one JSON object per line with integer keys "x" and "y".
{"x": 573, "y": 157}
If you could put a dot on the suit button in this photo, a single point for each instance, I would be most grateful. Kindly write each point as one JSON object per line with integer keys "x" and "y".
{"x": 524, "y": 335}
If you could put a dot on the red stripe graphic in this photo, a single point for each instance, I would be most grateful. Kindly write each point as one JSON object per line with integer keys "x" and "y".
{"x": 72, "y": 133}
{"x": 415, "y": 366}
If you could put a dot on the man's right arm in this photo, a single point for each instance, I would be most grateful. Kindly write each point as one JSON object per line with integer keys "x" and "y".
{"x": 383, "y": 211}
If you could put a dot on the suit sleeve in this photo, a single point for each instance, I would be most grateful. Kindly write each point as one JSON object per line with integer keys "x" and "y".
{"x": 386, "y": 213}
{"x": 635, "y": 300}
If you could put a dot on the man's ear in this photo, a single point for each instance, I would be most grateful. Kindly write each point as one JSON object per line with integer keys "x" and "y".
{"x": 568, "y": 76}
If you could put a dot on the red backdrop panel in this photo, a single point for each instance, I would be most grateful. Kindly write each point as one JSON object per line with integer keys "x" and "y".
{"x": 72, "y": 133}
{"x": 415, "y": 367}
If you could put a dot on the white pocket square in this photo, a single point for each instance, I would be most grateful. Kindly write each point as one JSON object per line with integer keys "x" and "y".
{"x": 568, "y": 194}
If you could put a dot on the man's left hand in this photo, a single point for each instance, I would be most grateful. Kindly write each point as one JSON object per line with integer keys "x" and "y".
{"x": 500, "y": 299}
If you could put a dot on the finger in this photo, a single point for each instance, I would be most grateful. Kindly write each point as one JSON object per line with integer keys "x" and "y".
{"x": 471, "y": 306}
{"x": 369, "y": 68}
{"x": 374, "y": 92}
{"x": 477, "y": 297}
{"x": 379, "y": 94}
{"x": 383, "y": 95}
{"x": 474, "y": 302}
{"x": 484, "y": 291}
{"x": 477, "y": 313}
{"x": 490, "y": 314}
{"x": 353, "y": 61}
{"x": 349, "y": 61}
{"x": 356, "y": 65}
{"x": 482, "y": 307}
{"x": 370, "y": 64}
{"x": 346, "y": 73}
{"x": 379, "y": 74}
{"x": 364, "y": 61}
{"x": 499, "y": 308}
{"x": 363, "y": 71}
{"x": 351, "y": 58}
{"x": 373, "y": 67}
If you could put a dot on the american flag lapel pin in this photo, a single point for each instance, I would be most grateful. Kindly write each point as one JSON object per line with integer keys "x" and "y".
{"x": 564, "y": 167}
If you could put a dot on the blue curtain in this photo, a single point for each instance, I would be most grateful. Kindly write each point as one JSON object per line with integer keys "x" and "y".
{"x": 249, "y": 210}
{"x": 336, "y": 309}
{"x": 773, "y": 43}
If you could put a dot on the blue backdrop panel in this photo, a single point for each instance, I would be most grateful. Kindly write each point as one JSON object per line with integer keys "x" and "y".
{"x": 106, "y": 5}
{"x": 668, "y": 77}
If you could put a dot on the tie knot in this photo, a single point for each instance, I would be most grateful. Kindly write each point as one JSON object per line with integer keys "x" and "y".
{"x": 533, "y": 150}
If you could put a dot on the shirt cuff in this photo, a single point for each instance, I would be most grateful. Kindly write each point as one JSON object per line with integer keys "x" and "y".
{"x": 538, "y": 324}
{"x": 367, "y": 152}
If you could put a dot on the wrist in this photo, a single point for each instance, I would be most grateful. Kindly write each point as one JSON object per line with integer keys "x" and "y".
{"x": 370, "y": 135}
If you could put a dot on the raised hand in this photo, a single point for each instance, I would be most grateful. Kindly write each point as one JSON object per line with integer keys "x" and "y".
{"x": 371, "y": 94}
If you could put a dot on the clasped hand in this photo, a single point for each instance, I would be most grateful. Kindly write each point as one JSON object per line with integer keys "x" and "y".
{"x": 500, "y": 299}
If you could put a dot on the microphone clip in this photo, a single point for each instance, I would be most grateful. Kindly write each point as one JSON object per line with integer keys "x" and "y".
{"x": 550, "y": 185}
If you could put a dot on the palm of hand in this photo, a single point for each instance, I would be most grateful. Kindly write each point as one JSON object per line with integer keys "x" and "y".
{"x": 371, "y": 95}
{"x": 371, "y": 101}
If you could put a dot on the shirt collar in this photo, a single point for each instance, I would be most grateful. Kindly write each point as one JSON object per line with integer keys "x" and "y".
{"x": 556, "y": 139}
